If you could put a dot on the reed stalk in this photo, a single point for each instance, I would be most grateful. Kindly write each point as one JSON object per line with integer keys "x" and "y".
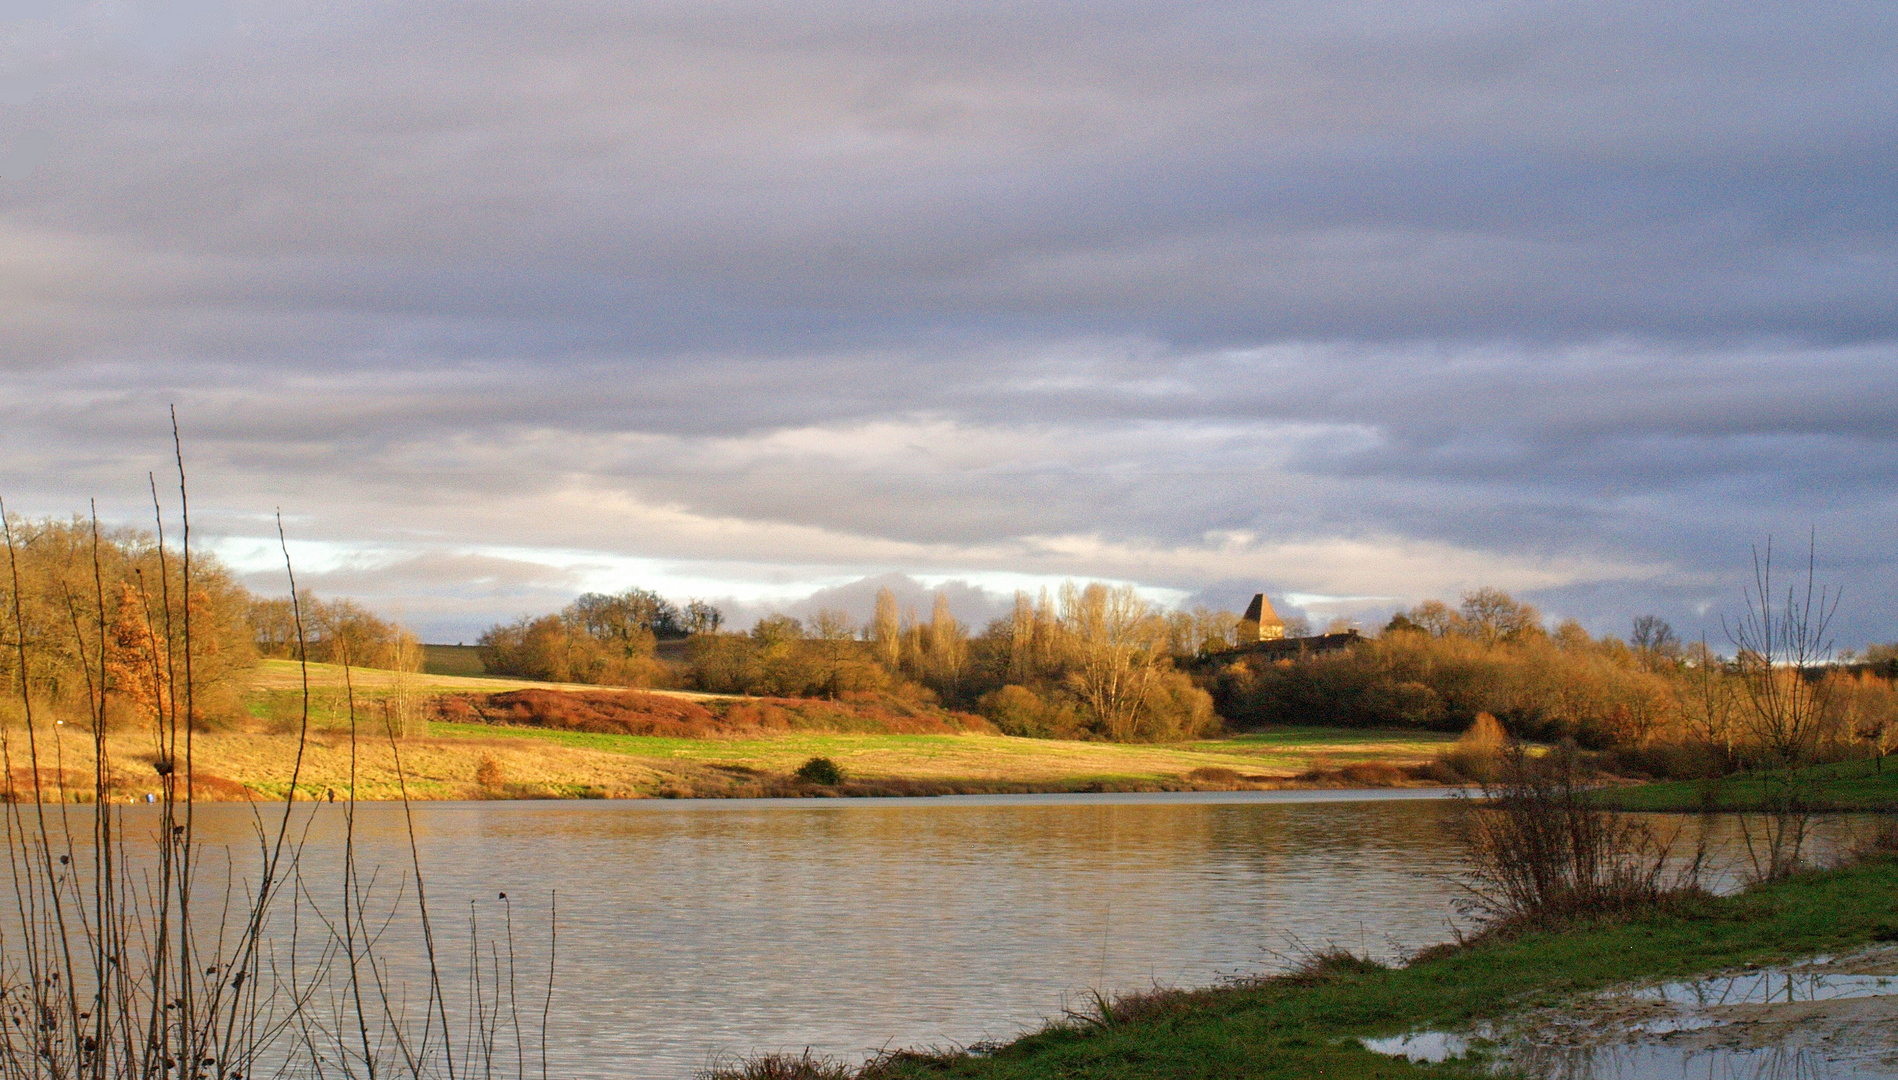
{"x": 134, "y": 950}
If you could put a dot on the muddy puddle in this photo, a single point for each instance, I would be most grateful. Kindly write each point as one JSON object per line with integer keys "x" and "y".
{"x": 1828, "y": 1018}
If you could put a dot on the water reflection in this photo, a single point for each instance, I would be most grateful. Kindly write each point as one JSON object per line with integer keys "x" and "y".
{"x": 1600, "y": 1038}
{"x": 1767, "y": 987}
{"x": 689, "y": 930}
{"x": 1653, "y": 1062}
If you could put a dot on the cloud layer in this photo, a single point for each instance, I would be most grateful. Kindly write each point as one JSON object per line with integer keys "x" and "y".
{"x": 500, "y": 302}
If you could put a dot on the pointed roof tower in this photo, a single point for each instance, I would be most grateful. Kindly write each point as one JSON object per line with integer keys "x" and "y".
{"x": 1260, "y": 623}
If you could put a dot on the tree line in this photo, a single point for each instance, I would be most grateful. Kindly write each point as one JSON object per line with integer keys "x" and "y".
{"x": 1088, "y": 661}
{"x": 66, "y": 579}
{"x": 1691, "y": 709}
{"x": 1083, "y": 661}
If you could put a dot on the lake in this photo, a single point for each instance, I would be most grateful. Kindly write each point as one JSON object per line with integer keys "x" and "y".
{"x": 694, "y": 929}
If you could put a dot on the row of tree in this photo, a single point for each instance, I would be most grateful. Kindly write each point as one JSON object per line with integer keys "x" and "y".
{"x": 1093, "y": 660}
{"x": 599, "y": 638}
{"x": 330, "y": 632}
{"x": 105, "y": 613}
{"x": 1779, "y": 698}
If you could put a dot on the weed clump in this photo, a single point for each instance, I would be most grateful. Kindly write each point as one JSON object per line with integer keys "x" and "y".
{"x": 808, "y": 1066}
{"x": 1105, "y": 1013}
{"x": 820, "y": 770}
{"x": 1329, "y": 965}
{"x": 1881, "y": 842}
{"x": 805, "y": 1066}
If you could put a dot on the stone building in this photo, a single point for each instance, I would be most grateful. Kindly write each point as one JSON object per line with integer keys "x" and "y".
{"x": 1260, "y": 623}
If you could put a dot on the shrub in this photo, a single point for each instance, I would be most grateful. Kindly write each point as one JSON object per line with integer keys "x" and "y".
{"x": 1329, "y": 964}
{"x": 1015, "y": 710}
{"x": 1174, "y": 709}
{"x": 488, "y": 774}
{"x": 820, "y": 770}
{"x": 1540, "y": 852}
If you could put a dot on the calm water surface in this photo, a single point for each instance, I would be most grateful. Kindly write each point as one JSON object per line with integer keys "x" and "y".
{"x": 691, "y": 929}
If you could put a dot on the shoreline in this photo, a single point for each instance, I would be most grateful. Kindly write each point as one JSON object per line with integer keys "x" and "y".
{"x": 1539, "y": 1001}
{"x": 846, "y": 793}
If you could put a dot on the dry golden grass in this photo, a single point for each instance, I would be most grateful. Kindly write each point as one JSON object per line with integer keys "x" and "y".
{"x": 286, "y": 675}
{"x": 229, "y": 764}
{"x": 534, "y": 764}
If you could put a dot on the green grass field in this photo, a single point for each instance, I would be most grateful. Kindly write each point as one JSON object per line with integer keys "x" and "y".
{"x": 1843, "y": 786}
{"x": 463, "y": 660}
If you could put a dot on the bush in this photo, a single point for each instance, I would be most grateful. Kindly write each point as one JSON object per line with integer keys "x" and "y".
{"x": 1175, "y": 709}
{"x": 1541, "y": 853}
{"x": 489, "y": 775}
{"x": 1015, "y": 710}
{"x": 820, "y": 770}
{"x": 1478, "y": 750}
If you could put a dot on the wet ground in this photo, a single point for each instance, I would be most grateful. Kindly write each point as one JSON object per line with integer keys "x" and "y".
{"x": 1828, "y": 1018}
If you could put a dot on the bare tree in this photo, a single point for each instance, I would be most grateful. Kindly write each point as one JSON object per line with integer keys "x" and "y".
{"x": 1655, "y": 643}
{"x": 702, "y": 618}
{"x": 1713, "y": 703}
{"x": 886, "y": 630}
{"x": 1120, "y": 646}
{"x": 1782, "y": 646}
{"x": 834, "y": 632}
{"x": 1492, "y": 615}
{"x": 945, "y": 648}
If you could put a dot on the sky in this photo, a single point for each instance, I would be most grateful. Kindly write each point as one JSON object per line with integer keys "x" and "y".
{"x": 1355, "y": 304}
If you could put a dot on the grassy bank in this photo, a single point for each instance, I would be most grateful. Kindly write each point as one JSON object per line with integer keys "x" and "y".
{"x": 1308, "y": 1025}
{"x": 1842, "y": 786}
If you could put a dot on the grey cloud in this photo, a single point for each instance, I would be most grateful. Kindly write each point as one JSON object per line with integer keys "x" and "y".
{"x": 972, "y": 605}
{"x": 642, "y": 178}
{"x": 28, "y": 149}
{"x": 1606, "y": 280}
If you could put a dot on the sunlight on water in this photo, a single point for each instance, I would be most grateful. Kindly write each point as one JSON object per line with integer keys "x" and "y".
{"x": 690, "y": 929}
